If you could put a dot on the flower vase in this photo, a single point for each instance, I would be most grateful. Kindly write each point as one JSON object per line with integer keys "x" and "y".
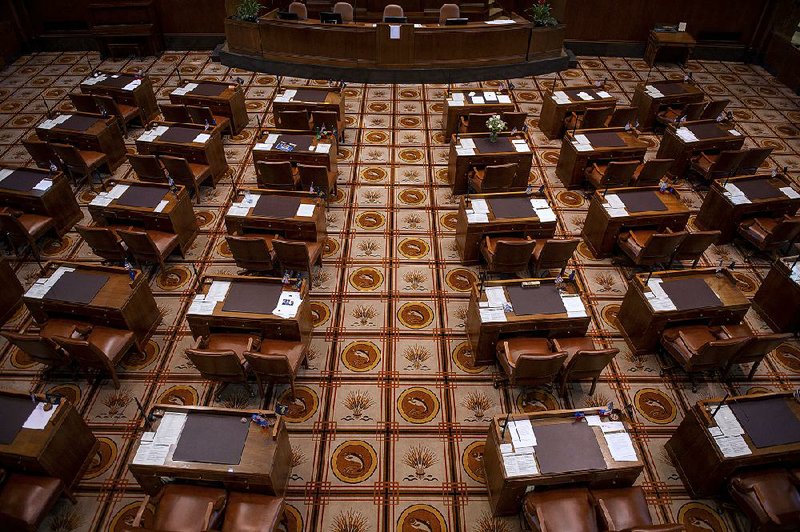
{"x": 493, "y": 136}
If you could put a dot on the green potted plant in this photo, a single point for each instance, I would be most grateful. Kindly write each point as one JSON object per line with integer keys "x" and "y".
{"x": 241, "y": 27}
{"x": 547, "y": 35}
{"x": 495, "y": 125}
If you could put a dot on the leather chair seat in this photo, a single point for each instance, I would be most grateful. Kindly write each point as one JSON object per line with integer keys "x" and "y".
{"x": 238, "y": 343}
{"x": 199, "y": 170}
{"x": 670, "y": 115}
{"x": 636, "y": 239}
{"x": 530, "y": 346}
{"x": 163, "y": 241}
{"x": 565, "y": 510}
{"x": 57, "y": 327}
{"x": 491, "y": 243}
{"x": 128, "y": 112}
{"x": 251, "y": 512}
{"x": 689, "y": 338}
{"x": 293, "y": 351}
{"x": 622, "y": 508}
{"x": 314, "y": 249}
{"x": 574, "y": 344}
{"x": 111, "y": 341}
{"x": 181, "y": 507}
{"x": 769, "y": 498}
{"x": 26, "y": 498}
{"x": 758, "y": 228}
{"x": 736, "y": 330}
{"x": 92, "y": 158}
{"x": 35, "y": 223}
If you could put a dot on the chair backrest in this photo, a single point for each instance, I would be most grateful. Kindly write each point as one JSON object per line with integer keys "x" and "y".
{"x": 200, "y": 115}
{"x": 623, "y": 116}
{"x": 140, "y": 245}
{"x": 695, "y": 244}
{"x": 175, "y": 113}
{"x": 760, "y": 345}
{"x": 108, "y": 104}
{"x": 250, "y": 252}
{"x": 716, "y": 354}
{"x": 217, "y": 365}
{"x": 292, "y": 254}
{"x": 102, "y": 241}
{"x": 276, "y": 366}
{"x": 392, "y": 10}
{"x": 727, "y": 163}
{"x": 514, "y": 119}
{"x": 660, "y": 247}
{"x": 274, "y": 173}
{"x": 693, "y": 110}
{"x": 10, "y": 225}
{"x": 299, "y": 9}
{"x": 297, "y": 120}
{"x": 589, "y": 364}
{"x": 787, "y": 230}
{"x": 41, "y": 152}
{"x": 619, "y": 173}
{"x": 313, "y": 175}
{"x": 652, "y": 171}
{"x": 476, "y": 122}
{"x": 177, "y": 167}
{"x": 714, "y": 108}
{"x": 556, "y": 252}
{"x": 538, "y": 368}
{"x": 595, "y": 117}
{"x": 70, "y": 155}
{"x": 753, "y": 158}
{"x": 84, "y": 103}
{"x": 448, "y": 11}
{"x": 42, "y": 350}
{"x": 345, "y": 10}
{"x": 147, "y": 167}
{"x": 498, "y": 177}
{"x": 326, "y": 119}
{"x": 85, "y": 353}
{"x": 513, "y": 253}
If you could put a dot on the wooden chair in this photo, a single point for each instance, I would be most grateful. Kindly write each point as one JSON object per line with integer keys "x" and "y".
{"x": 147, "y": 168}
{"x": 622, "y": 116}
{"x": 297, "y": 255}
{"x": 646, "y": 247}
{"x": 149, "y": 246}
{"x": 768, "y": 234}
{"x": 177, "y": 113}
{"x": 276, "y": 361}
{"x": 475, "y": 123}
{"x": 318, "y": 177}
{"x": 203, "y": 116}
{"x": 295, "y": 120}
{"x": 583, "y": 362}
{"x": 694, "y": 245}
{"x": 252, "y": 252}
{"x": 713, "y": 109}
{"x": 752, "y": 160}
{"x": 448, "y": 11}
{"x": 124, "y": 113}
{"x": 84, "y": 103}
{"x": 757, "y": 347}
{"x": 190, "y": 175}
{"x": 277, "y": 175}
{"x": 22, "y": 229}
{"x": 81, "y": 163}
{"x": 565, "y": 509}
{"x": 591, "y": 118}
{"x": 104, "y": 242}
{"x": 514, "y": 120}
{"x": 625, "y": 508}
{"x": 711, "y": 166}
{"x": 329, "y": 120}
{"x": 26, "y": 499}
{"x": 651, "y": 172}
{"x": 670, "y": 115}
{"x": 553, "y": 253}
{"x": 492, "y": 178}
{"x": 768, "y": 496}
{"x": 38, "y": 348}
{"x": 612, "y": 174}
{"x": 299, "y": 9}
{"x": 345, "y": 10}
{"x": 182, "y": 507}
{"x": 100, "y": 348}
{"x": 506, "y": 255}
{"x": 223, "y": 364}
{"x": 252, "y": 512}
{"x": 42, "y": 154}
{"x": 392, "y": 10}
{"x": 529, "y": 361}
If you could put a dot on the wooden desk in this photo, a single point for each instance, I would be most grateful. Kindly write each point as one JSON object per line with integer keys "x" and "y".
{"x": 766, "y": 199}
{"x": 89, "y": 132}
{"x": 558, "y": 104}
{"x": 642, "y": 326}
{"x": 521, "y": 219}
{"x": 778, "y": 297}
{"x": 264, "y": 464}
{"x": 609, "y": 144}
{"x": 678, "y": 44}
{"x": 506, "y": 491}
{"x": 311, "y": 98}
{"x": 11, "y": 295}
{"x": 484, "y": 335}
{"x": 222, "y": 97}
{"x": 262, "y": 320}
{"x": 600, "y": 229}
{"x": 307, "y": 228}
{"x": 652, "y": 98}
{"x": 117, "y": 86}
{"x": 177, "y": 140}
{"x": 710, "y": 134}
{"x": 18, "y": 191}
{"x": 459, "y": 103}
{"x": 168, "y": 212}
{"x": 305, "y": 151}
{"x": 703, "y": 468}
{"x": 63, "y": 449}
{"x": 488, "y": 153}
{"x": 119, "y": 303}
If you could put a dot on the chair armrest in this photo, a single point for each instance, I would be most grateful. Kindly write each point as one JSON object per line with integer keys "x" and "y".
{"x": 137, "y": 520}
{"x": 207, "y": 516}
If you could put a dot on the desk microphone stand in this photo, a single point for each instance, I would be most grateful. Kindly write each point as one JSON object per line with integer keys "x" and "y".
{"x": 148, "y": 418}
{"x": 47, "y": 107}
{"x": 720, "y": 404}
{"x": 505, "y": 426}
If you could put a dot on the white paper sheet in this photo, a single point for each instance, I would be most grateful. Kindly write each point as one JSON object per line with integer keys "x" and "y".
{"x": 614, "y": 201}
{"x": 478, "y": 100}
{"x": 585, "y": 96}
{"x": 170, "y": 428}
{"x": 101, "y": 200}
{"x": 161, "y": 206}
{"x": 496, "y": 296}
{"x": 727, "y": 422}
{"x": 218, "y": 290}
{"x": 5, "y": 172}
{"x": 504, "y": 98}
{"x": 288, "y": 304}
{"x": 306, "y": 209}
{"x": 612, "y": 426}
{"x": 117, "y": 191}
{"x": 250, "y": 200}
{"x": 394, "y": 32}
{"x": 37, "y": 290}
{"x": 506, "y": 448}
{"x": 490, "y": 96}
{"x": 582, "y": 139}
{"x": 574, "y": 306}
{"x": 603, "y": 94}
{"x": 734, "y": 133}
{"x": 468, "y": 143}
{"x": 44, "y": 184}
{"x": 732, "y": 446}
{"x": 621, "y": 447}
{"x": 540, "y": 203}
{"x": 263, "y": 146}
{"x": 39, "y": 417}
{"x": 458, "y": 96}
{"x": 789, "y": 192}
{"x": 323, "y": 148}
{"x": 520, "y": 464}
{"x": 202, "y": 138}
{"x": 521, "y": 146}
{"x": 616, "y": 213}
{"x": 455, "y": 103}
{"x": 480, "y": 205}
{"x": 150, "y": 453}
{"x": 594, "y": 421}
{"x": 477, "y": 218}
{"x": 489, "y": 315}
{"x": 238, "y": 210}
{"x": 201, "y": 307}
{"x": 500, "y": 22}
{"x": 546, "y": 215}
{"x": 583, "y": 147}
{"x": 522, "y": 434}
{"x": 465, "y": 151}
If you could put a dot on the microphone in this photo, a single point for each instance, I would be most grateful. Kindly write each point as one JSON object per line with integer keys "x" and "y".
{"x": 505, "y": 425}
{"x": 720, "y": 404}
{"x": 148, "y": 418}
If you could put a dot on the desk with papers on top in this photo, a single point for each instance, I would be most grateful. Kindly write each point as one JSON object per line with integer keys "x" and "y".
{"x": 38, "y": 191}
{"x": 747, "y": 431}
{"x": 86, "y": 131}
{"x": 460, "y": 103}
{"x": 558, "y": 104}
{"x": 553, "y": 448}
{"x": 306, "y": 148}
{"x": 293, "y": 215}
{"x": 473, "y": 150}
{"x": 778, "y": 297}
{"x": 126, "y": 89}
{"x": 584, "y": 147}
{"x": 222, "y": 97}
{"x": 650, "y": 98}
{"x": 683, "y": 141}
{"x": 189, "y": 141}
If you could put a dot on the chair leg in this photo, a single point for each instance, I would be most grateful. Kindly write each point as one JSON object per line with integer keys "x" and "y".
{"x": 693, "y": 381}
{"x": 294, "y": 392}
{"x": 753, "y": 370}
{"x": 114, "y": 378}
{"x": 594, "y": 385}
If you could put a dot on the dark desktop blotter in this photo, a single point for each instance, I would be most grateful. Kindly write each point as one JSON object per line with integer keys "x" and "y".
{"x": 768, "y": 422}
{"x": 566, "y": 447}
{"x": 14, "y": 411}
{"x": 212, "y": 439}
{"x": 543, "y": 299}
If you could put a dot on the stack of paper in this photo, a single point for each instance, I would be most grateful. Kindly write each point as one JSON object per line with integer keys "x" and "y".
{"x": 201, "y": 307}
{"x": 735, "y": 194}
{"x": 189, "y": 87}
{"x": 202, "y": 138}
{"x": 150, "y": 136}
{"x": 39, "y": 417}
{"x": 728, "y": 434}
{"x": 94, "y": 79}
{"x": 685, "y": 134}
{"x": 543, "y": 210}
{"x": 150, "y": 453}
{"x": 657, "y": 297}
{"x": 305, "y": 209}
{"x": 574, "y": 305}
{"x": 653, "y": 92}
{"x": 170, "y": 428}
{"x": 561, "y": 97}
{"x": 585, "y": 96}
{"x": 621, "y": 446}
{"x": 521, "y": 145}
{"x": 504, "y": 98}
{"x": 492, "y": 314}
{"x": 477, "y": 217}
{"x": 288, "y": 304}
{"x": 520, "y": 464}
{"x": 43, "y": 285}
{"x": 582, "y": 143}
{"x": 789, "y": 192}
{"x": 50, "y": 124}
{"x": 522, "y": 435}
{"x": 204, "y": 304}
{"x": 500, "y": 21}
{"x": 490, "y": 96}
{"x": 287, "y": 95}
{"x": 478, "y": 100}
{"x": 44, "y": 184}
{"x": 101, "y": 200}
{"x": 496, "y": 296}
{"x": 161, "y": 206}
{"x": 465, "y": 151}
{"x": 603, "y": 94}
{"x": 614, "y": 206}
{"x": 132, "y": 85}
{"x": 479, "y": 205}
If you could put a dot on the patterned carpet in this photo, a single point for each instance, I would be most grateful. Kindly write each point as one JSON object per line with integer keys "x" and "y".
{"x": 389, "y": 308}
